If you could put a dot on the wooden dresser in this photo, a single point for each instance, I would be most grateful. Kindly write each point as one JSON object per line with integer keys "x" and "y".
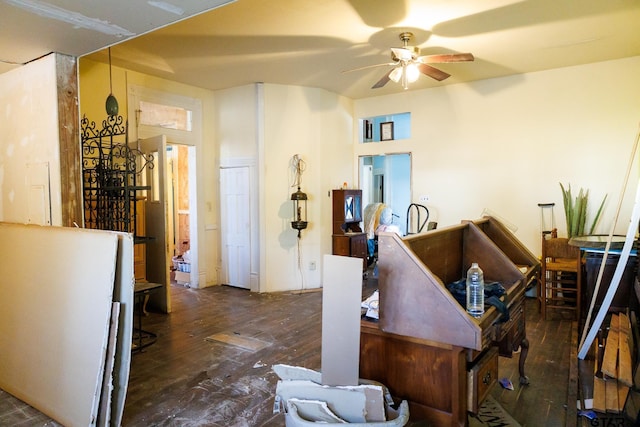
{"x": 426, "y": 348}
{"x": 347, "y": 238}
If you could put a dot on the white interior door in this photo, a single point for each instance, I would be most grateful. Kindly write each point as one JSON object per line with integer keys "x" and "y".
{"x": 156, "y": 210}
{"x": 235, "y": 220}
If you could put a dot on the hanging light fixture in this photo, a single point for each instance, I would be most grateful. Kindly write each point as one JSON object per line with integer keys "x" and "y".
{"x": 396, "y": 74}
{"x": 412, "y": 72}
{"x": 405, "y": 73}
{"x": 299, "y": 198}
{"x": 112, "y": 103}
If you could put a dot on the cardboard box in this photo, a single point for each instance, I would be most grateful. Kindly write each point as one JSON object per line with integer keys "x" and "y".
{"x": 182, "y": 277}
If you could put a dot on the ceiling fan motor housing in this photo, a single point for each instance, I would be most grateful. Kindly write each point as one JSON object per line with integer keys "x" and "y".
{"x": 413, "y": 51}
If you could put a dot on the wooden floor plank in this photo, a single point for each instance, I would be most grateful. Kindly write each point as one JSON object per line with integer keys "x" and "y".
{"x": 599, "y": 395}
{"x": 625, "y": 367}
{"x": 248, "y": 343}
{"x": 611, "y": 396}
{"x": 623, "y": 392}
{"x": 573, "y": 395}
{"x": 614, "y": 323}
{"x": 610, "y": 362}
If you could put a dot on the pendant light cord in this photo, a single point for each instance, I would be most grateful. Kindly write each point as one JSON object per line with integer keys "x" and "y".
{"x": 110, "y": 78}
{"x": 299, "y": 166}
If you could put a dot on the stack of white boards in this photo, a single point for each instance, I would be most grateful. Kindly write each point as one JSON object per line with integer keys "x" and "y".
{"x": 66, "y": 318}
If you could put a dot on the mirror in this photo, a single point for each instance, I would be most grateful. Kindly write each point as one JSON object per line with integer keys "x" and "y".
{"x": 387, "y": 179}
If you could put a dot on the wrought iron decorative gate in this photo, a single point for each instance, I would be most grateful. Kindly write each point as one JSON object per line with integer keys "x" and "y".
{"x": 111, "y": 175}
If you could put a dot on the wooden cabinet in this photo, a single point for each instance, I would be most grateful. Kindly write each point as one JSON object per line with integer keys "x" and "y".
{"x": 511, "y": 334}
{"x": 482, "y": 375}
{"x": 351, "y": 244}
{"x": 431, "y": 376}
{"x": 425, "y": 348}
{"x": 348, "y": 238}
{"x": 347, "y": 211}
{"x": 513, "y": 248}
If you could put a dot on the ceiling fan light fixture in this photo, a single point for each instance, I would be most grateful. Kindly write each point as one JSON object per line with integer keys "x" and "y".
{"x": 408, "y": 64}
{"x": 396, "y": 74}
{"x": 412, "y": 72}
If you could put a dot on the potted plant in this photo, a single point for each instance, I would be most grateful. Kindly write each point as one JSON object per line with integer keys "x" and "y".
{"x": 576, "y": 211}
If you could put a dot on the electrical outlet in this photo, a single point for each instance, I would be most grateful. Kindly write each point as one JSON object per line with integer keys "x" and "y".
{"x": 424, "y": 199}
{"x": 312, "y": 265}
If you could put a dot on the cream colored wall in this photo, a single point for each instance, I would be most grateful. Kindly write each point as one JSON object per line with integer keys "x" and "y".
{"x": 500, "y": 144}
{"x": 94, "y": 89}
{"x": 236, "y": 123}
{"x": 505, "y": 144}
{"x": 29, "y": 123}
{"x": 270, "y": 124}
{"x": 317, "y": 125}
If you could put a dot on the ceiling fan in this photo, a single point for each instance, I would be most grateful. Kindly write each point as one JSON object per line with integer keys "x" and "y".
{"x": 408, "y": 64}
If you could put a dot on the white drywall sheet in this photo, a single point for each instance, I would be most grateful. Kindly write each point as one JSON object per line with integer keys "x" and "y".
{"x": 123, "y": 294}
{"x": 55, "y": 306}
{"x": 341, "y": 300}
{"x": 349, "y": 403}
{"x": 104, "y": 408}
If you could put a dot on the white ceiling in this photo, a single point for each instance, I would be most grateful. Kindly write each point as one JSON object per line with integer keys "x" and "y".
{"x": 310, "y": 42}
{"x": 30, "y": 29}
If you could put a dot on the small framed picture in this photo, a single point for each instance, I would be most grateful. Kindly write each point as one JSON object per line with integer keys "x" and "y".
{"x": 386, "y": 131}
{"x": 368, "y": 130}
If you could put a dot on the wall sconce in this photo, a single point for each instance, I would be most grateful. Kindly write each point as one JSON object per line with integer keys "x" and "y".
{"x": 299, "y": 211}
{"x": 299, "y": 198}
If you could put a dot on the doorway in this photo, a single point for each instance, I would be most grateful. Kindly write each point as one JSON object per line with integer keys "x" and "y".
{"x": 386, "y": 179}
{"x": 179, "y": 214}
{"x": 173, "y": 181}
{"x": 170, "y": 214}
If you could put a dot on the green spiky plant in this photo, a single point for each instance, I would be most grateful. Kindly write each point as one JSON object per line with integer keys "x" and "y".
{"x": 576, "y": 211}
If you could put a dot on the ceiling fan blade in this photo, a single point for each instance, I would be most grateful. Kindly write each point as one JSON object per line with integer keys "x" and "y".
{"x": 433, "y": 72}
{"x": 383, "y": 81}
{"x": 454, "y": 57}
{"x": 369, "y": 66}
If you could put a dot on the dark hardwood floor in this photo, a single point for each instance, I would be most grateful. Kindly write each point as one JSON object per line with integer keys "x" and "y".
{"x": 186, "y": 380}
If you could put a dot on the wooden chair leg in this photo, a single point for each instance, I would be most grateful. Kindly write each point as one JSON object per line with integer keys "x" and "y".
{"x": 543, "y": 295}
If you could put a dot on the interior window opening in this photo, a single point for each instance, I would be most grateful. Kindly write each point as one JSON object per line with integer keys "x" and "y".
{"x": 165, "y": 116}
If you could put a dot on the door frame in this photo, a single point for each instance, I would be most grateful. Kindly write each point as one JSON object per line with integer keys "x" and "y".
{"x": 396, "y": 190}
{"x": 192, "y": 139}
{"x": 194, "y": 280}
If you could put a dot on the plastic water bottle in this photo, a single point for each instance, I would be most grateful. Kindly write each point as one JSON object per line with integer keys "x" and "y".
{"x": 475, "y": 291}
